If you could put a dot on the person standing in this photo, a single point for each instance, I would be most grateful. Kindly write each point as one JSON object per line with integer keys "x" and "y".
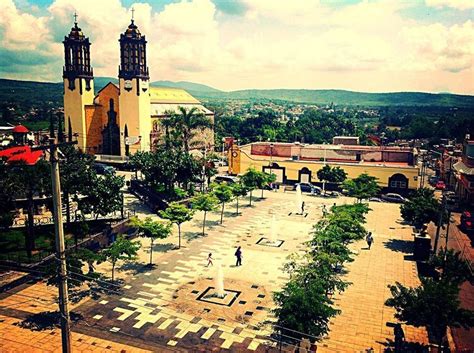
{"x": 238, "y": 255}
{"x": 325, "y": 211}
{"x": 369, "y": 239}
{"x": 302, "y": 208}
{"x": 209, "y": 260}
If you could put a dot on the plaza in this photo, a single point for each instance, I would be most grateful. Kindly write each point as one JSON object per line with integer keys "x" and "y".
{"x": 170, "y": 307}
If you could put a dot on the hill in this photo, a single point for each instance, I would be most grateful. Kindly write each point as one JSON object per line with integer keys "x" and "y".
{"x": 39, "y": 93}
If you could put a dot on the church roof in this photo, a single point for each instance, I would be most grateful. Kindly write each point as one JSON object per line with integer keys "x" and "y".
{"x": 171, "y": 96}
{"x": 164, "y": 109}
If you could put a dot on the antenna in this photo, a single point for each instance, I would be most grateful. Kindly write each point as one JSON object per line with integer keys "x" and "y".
{"x": 75, "y": 17}
{"x": 133, "y": 13}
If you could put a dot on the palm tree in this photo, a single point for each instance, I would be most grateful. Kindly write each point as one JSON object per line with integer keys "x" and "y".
{"x": 188, "y": 121}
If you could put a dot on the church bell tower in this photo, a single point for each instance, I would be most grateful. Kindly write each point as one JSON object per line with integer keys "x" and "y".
{"x": 134, "y": 102}
{"x": 78, "y": 80}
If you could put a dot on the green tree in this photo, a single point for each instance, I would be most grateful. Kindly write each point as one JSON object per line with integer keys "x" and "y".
{"x": 434, "y": 305}
{"x": 251, "y": 180}
{"x": 205, "y": 203}
{"x": 265, "y": 180}
{"x": 152, "y": 230}
{"x": 451, "y": 266}
{"x": 303, "y": 310}
{"x": 223, "y": 193}
{"x": 178, "y": 214}
{"x": 420, "y": 208}
{"x": 105, "y": 195}
{"x": 121, "y": 249}
{"x": 238, "y": 190}
{"x": 362, "y": 187}
{"x": 188, "y": 122}
{"x": 328, "y": 174}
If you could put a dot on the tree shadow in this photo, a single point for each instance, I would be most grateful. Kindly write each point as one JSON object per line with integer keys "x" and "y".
{"x": 191, "y": 235}
{"x": 46, "y": 320}
{"x": 163, "y": 247}
{"x": 231, "y": 214}
{"x": 135, "y": 267}
{"x": 397, "y": 245}
{"x": 407, "y": 347}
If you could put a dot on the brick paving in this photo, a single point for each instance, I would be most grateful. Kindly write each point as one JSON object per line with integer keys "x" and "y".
{"x": 159, "y": 308}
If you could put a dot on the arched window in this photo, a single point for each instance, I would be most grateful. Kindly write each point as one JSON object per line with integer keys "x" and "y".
{"x": 398, "y": 181}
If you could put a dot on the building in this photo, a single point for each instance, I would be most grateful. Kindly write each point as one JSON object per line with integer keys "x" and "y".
{"x": 120, "y": 119}
{"x": 464, "y": 172}
{"x": 394, "y": 167}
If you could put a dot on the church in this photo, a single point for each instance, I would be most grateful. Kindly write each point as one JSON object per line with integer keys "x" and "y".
{"x": 122, "y": 119}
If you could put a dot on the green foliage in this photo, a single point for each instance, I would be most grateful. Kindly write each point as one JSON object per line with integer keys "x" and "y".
{"x": 420, "y": 208}
{"x": 253, "y": 179}
{"x": 362, "y": 187}
{"x": 238, "y": 190}
{"x": 188, "y": 122}
{"x": 223, "y": 193}
{"x": 331, "y": 174}
{"x": 205, "y": 203}
{"x": 305, "y": 309}
{"x": 434, "y": 304}
{"x": 177, "y": 213}
{"x": 104, "y": 196}
{"x": 305, "y": 304}
{"x": 121, "y": 249}
{"x": 451, "y": 266}
{"x": 152, "y": 230}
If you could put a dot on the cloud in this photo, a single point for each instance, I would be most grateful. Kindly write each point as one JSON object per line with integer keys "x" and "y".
{"x": 262, "y": 44}
{"x": 455, "y": 4}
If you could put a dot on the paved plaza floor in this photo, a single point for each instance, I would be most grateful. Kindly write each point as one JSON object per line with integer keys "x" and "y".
{"x": 171, "y": 307}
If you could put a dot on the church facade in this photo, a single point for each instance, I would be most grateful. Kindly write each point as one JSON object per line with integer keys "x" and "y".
{"x": 122, "y": 118}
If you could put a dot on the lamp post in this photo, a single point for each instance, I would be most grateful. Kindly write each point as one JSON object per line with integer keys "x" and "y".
{"x": 271, "y": 157}
{"x": 324, "y": 181}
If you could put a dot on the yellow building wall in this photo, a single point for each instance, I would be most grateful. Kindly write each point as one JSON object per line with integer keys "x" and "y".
{"x": 240, "y": 162}
{"x": 74, "y": 104}
{"x": 135, "y": 113}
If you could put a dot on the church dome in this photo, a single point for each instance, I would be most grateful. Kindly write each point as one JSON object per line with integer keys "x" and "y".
{"x": 132, "y": 31}
{"x": 76, "y": 32}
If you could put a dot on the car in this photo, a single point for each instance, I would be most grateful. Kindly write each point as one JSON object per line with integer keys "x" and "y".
{"x": 229, "y": 179}
{"x": 103, "y": 169}
{"x": 376, "y": 199}
{"x": 219, "y": 162}
{"x": 308, "y": 187}
{"x": 467, "y": 220}
{"x": 330, "y": 194}
{"x": 433, "y": 180}
{"x": 392, "y": 197}
{"x": 440, "y": 185}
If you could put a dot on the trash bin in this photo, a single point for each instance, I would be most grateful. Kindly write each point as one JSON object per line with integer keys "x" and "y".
{"x": 422, "y": 248}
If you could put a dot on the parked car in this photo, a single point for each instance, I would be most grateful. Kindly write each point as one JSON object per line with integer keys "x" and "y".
{"x": 330, "y": 194}
{"x": 376, "y": 199}
{"x": 467, "y": 220}
{"x": 440, "y": 185}
{"x": 433, "y": 180}
{"x": 391, "y": 197}
{"x": 103, "y": 169}
{"x": 308, "y": 187}
{"x": 229, "y": 179}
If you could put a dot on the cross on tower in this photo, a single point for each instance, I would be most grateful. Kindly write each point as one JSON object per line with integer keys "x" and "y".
{"x": 133, "y": 12}
{"x": 75, "y": 17}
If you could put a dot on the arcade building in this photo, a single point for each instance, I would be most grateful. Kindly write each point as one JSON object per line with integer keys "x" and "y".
{"x": 122, "y": 119}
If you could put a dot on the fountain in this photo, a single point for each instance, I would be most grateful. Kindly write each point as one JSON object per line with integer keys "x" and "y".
{"x": 272, "y": 236}
{"x": 220, "y": 293}
{"x": 298, "y": 200}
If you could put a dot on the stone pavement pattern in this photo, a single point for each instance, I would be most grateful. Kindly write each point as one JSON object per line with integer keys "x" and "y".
{"x": 159, "y": 304}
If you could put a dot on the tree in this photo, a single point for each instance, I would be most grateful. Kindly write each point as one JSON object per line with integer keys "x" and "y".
{"x": 251, "y": 180}
{"x": 178, "y": 214}
{"x": 238, "y": 190}
{"x": 121, "y": 249}
{"x": 420, "y": 208}
{"x": 30, "y": 181}
{"x": 451, "y": 266}
{"x": 434, "y": 304}
{"x": 152, "y": 230}
{"x": 187, "y": 121}
{"x": 303, "y": 310}
{"x": 362, "y": 187}
{"x": 265, "y": 180}
{"x": 105, "y": 195}
{"x": 223, "y": 193}
{"x": 331, "y": 175}
{"x": 205, "y": 203}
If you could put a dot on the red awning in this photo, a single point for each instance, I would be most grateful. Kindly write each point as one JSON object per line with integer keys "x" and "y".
{"x": 20, "y": 129}
{"x": 21, "y": 154}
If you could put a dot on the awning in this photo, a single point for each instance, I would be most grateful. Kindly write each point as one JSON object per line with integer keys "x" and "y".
{"x": 460, "y": 167}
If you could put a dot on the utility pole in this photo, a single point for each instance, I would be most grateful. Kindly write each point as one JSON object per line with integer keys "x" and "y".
{"x": 440, "y": 223}
{"x": 60, "y": 249}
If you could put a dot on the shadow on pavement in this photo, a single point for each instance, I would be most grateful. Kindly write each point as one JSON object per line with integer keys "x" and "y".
{"x": 398, "y": 245}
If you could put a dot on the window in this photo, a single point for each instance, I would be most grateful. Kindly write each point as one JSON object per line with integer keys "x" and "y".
{"x": 398, "y": 184}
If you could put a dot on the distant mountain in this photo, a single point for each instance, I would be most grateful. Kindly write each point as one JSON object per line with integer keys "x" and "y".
{"x": 342, "y": 97}
{"x": 41, "y": 92}
{"x": 189, "y": 86}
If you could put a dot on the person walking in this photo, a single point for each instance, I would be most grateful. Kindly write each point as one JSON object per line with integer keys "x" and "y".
{"x": 209, "y": 260}
{"x": 369, "y": 239}
{"x": 238, "y": 255}
{"x": 302, "y": 208}
{"x": 325, "y": 211}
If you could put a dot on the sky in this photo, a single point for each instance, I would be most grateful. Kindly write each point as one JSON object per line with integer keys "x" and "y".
{"x": 369, "y": 46}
